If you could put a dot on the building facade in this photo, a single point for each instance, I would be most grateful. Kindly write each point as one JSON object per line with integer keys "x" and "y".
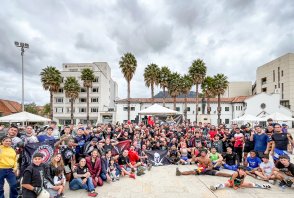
{"x": 238, "y": 88}
{"x": 277, "y": 76}
{"x": 102, "y": 95}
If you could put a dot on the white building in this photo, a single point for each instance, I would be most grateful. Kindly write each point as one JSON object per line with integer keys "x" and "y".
{"x": 238, "y": 88}
{"x": 102, "y": 95}
{"x": 258, "y": 105}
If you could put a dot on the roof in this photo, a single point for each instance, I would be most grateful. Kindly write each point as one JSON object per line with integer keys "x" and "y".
{"x": 238, "y": 99}
{"x": 157, "y": 110}
{"x": 8, "y": 107}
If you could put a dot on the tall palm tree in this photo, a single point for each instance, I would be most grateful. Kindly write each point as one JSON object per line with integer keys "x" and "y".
{"x": 87, "y": 77}
{"x": 186, "y": 85}
{"x": 128, "y": 65}
{"x": 197, "y": 71}
{"x": 51, "y": 79}
{"x": 221, "y": 83}
{"x": 72, "y": 90}
{"x": 207, "y": 87}
{"x": 151, "y": 77}
{"x": 163, "y": 80}
{"x": 173, "y": 87}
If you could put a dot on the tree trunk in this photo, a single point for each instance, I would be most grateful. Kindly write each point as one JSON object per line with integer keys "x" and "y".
{"x": 152, "y": 93}
{"x": 51, "y": 105}
{"x": 71, "y": 111}
{"x": 164, "y": 96}
{"x": 208, "y": 105}
{"x": 129, "y": 106}
{"x": 218, "y": 109}
{"x": 175, "y": 106}
{"x": 186, "y": 112}
{"x": 88, "y": 106}
{"x": 196, "y": 112}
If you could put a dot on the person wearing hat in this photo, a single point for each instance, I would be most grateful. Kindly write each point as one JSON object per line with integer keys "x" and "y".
{"x": 237, "y": 180}
{"x": 284, "y": 171}
{"x": 33, "y": 178}
{"x": 8, "y": 167}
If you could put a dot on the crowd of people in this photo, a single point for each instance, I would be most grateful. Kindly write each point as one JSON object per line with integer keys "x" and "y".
{"x": 84, "y": 155}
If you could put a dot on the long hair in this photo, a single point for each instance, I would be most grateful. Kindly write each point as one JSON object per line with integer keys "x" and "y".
{"x": 57, "y": 164}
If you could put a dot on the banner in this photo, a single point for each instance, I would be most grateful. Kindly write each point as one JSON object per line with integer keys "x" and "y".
{"x": 123, "y": 145}
{"x": 46, "y": 148}
{"x": 158, "y": 157}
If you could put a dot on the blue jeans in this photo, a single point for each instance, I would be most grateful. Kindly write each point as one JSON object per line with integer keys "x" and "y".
{"x": 11, "y": 179}
{"x": 231, "y": 167}
{"x": 77, "y": 184}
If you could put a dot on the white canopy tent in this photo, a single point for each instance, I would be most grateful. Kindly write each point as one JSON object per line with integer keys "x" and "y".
{"x": 278, "y": 117}
{"x": 157, "y": 110}
{"x": 23, "y": 117}
{"x": 248, "y": 118}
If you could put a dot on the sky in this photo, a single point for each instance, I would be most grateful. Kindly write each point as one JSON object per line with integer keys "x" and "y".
{"x": 233, "y": 37}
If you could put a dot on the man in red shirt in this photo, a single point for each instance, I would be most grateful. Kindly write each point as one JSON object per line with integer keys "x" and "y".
{"x": 135, "y": 160}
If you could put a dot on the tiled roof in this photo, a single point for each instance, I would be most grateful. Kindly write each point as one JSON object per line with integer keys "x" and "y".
{"x": 8, "y": 107}
{"x": 182, "y": 100}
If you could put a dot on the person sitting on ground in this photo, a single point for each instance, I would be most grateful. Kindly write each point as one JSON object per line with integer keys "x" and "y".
{"x": 265, "y": 171}
{"x": 173, "y": 155}
{"x": 135, "y": 161}
{"x": 237, "y": 180}
{"x": 216, "y": 158}
{"x": 105, "y": 161}
{"x": 253, "y": 163}
{"x": 230, "y": 160}
{"x": 82, "y": 179}
{"x": 94, "y": 167}
{"x": 113, "y": 170}
{"x": 184, "y": 160}
{"x": 284, "y": 171}
{"x": 59, "y": 181}
{"x": 33, "y": 178}
{"x": 125, "y": 165}
{"x": 205, "y": 167}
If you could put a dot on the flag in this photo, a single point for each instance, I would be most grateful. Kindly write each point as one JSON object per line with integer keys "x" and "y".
{"x": 46, "y": 148}
{"x": 158, "y": 157}
{"x": 121, "y": 146}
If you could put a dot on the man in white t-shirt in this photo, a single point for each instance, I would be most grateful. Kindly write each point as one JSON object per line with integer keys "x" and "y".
{"x": 266, "y": 169}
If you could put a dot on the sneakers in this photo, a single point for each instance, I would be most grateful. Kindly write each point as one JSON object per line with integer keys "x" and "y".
{"x": 117, "y": 178}
{"x": 178, "y": 172}
{"x": 289, "y": 183}
{"x": 92, "y": 194}
{"x": 282, "y": 184}
{"x": 213, "y": 188}
{"x": 140, "y": 172}
{"x": 132, "y": 176}
{"x": 266, "y": 186}
{"x": 149, "y": 166}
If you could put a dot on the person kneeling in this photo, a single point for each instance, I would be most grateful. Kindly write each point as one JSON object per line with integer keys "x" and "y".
{"x": 237, "y": 180}
{"x": 82, "y": 179}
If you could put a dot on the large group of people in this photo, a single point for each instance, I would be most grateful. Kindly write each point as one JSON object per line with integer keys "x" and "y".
{"x": 84, "y": 156}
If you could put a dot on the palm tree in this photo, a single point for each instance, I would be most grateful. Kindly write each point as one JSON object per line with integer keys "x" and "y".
{"x": 220, "y": 85}
{"x": 197, "y": 71}
{"x": 128, "y": 65}
{"x": 88, "y": 77}
{"x": 51, "y": 79}
{"x": 207, "y": 87}
{"x": 186, "y": 85}
{"x": 72, "y": 90}
{"x": 151, "y": 77}
{"x": 173, "y": 87}
{"x": 163, "y": 80}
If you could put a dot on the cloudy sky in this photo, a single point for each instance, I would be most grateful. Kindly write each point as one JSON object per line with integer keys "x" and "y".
{"x": 232, "y": 37}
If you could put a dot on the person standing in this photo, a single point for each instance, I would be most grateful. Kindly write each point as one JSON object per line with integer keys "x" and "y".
{"x": 261, "y": 142}
{"x": 8, "y": 167}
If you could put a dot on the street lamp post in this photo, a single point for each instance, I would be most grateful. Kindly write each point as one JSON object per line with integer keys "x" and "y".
{"x": 22, "y": 47}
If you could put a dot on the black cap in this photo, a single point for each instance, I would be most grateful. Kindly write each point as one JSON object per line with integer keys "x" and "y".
{"x": 38, "y": 155}
{"x": 95, "y": 140}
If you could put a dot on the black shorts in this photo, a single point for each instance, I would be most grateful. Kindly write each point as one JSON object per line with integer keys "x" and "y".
{"x": 210, "y": 172}
{"x": 247, "y": 149}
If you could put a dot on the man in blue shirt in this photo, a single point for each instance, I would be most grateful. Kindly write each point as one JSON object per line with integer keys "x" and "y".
{"x": 253, "y": 163}
{"x": 47, "y": 137}
{"x": 261, "y": 142}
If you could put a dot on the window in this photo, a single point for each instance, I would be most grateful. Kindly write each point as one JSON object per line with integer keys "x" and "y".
{"x": 60, "y": 90}
{"x": 285, "y": 103}
{"x": 275, "y": 86}
{"x": 94, "y": 109}
{"x": 132, "y": 108}
{"x": 62, "y": 79}
{"x": 279, "y": 75}
{"x": 178, "y": 109}
{"x": 227, "y": 121}
{"x": 188, "y": 109}
{"x": 59, "y": 110}
{"x": 82, "y": 110}
{"x": 73, "y": 70}
{"x": 274, "y": 76}
{"x": 83, "y": 90}
{"x": 68, "y": 110}
{"x": 282, "y": 90}
{"x": 59, "y": 100}
{"x": 263, "y": 90}
{"x": 94, "y": 100}
{"x": 96, "y": 79}
{"x": 263, "y": 81}
{"x": 95, "y": 90}
{"x": 199, "y": 109}
{"x": 282, "y": 73}
{"x": 83, "y": 100}
{"x": 125, "y": 108}
{"x": 227, "y": 108}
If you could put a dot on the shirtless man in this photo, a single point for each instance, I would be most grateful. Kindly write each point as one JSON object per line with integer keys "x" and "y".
{"x": 205, "y": 167}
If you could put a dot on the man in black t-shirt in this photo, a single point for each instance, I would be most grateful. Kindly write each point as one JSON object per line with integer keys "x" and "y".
{"x": 230, "y": 160}
{"x": 284, "y": 171}
{"x": 125, "y": 165}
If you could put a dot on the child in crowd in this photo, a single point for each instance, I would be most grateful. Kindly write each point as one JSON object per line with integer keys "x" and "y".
{"x": 237, "y": 180}
{"x": 265, "y": 171}
{"x": 59, "y": 181}
{"x": 253, "y": 163}
{"x": 112, "y": 170}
